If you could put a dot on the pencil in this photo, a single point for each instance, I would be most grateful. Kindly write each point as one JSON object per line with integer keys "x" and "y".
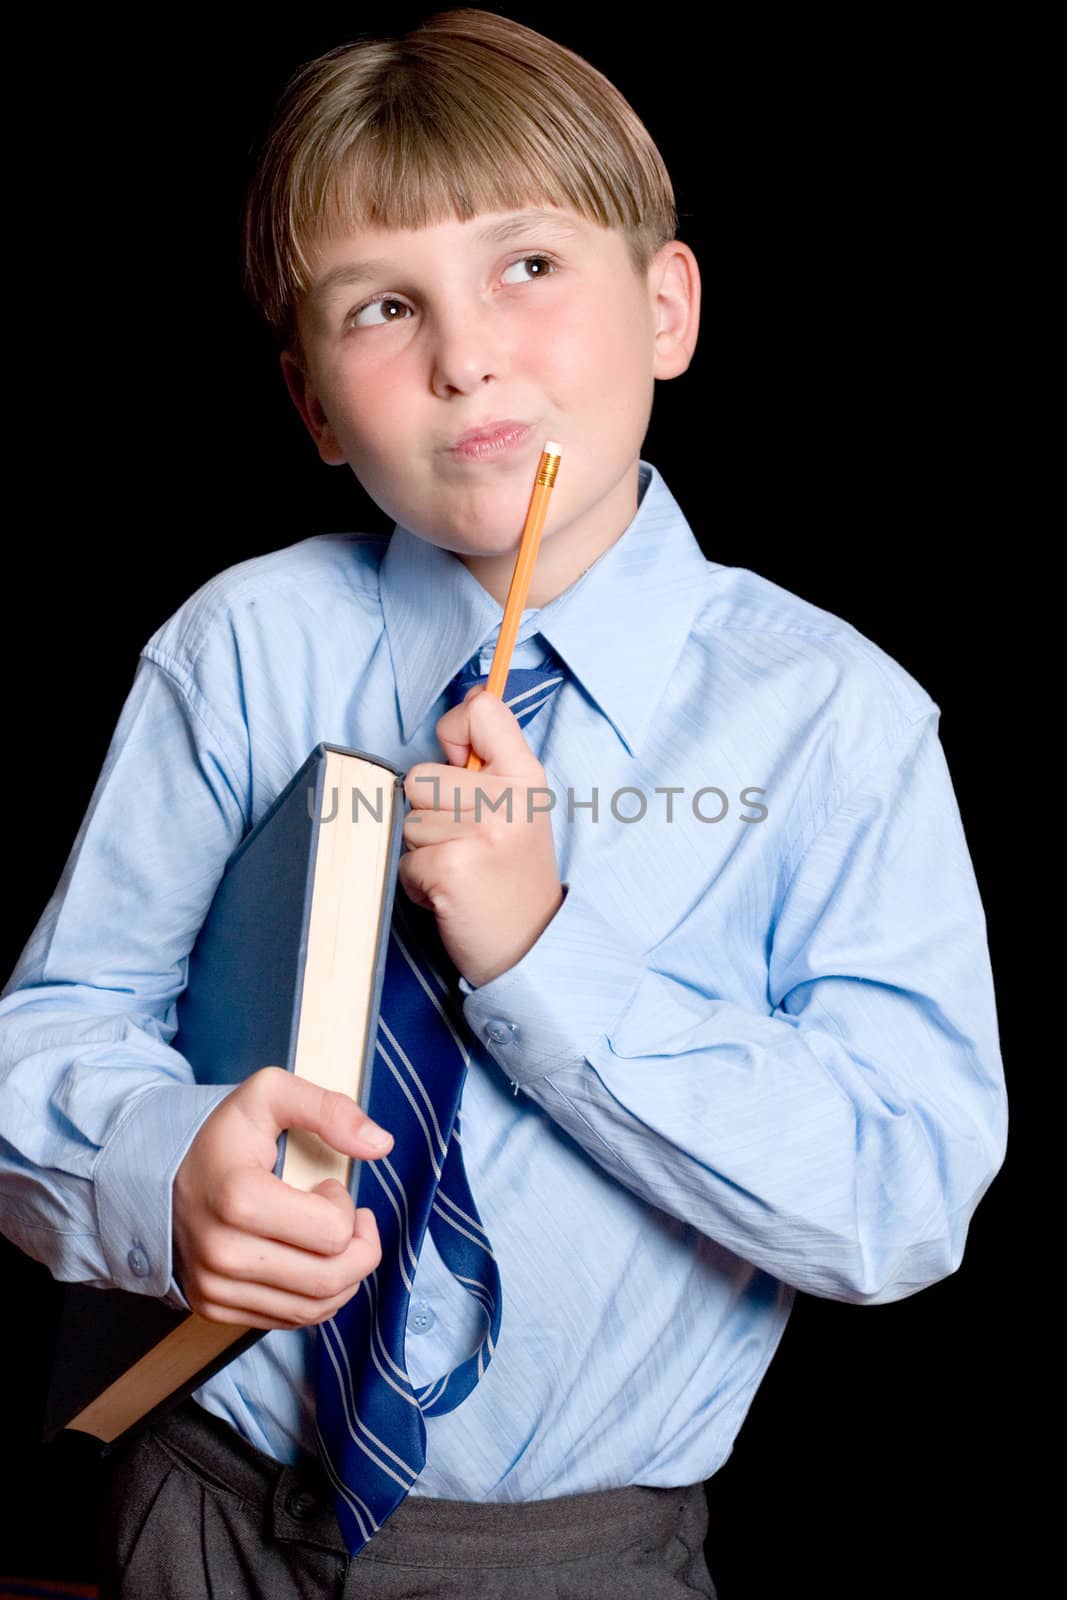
{"x": 520, "y": 578}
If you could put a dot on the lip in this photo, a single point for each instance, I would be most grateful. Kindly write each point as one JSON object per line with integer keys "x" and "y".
{"x": 492, "y": 440}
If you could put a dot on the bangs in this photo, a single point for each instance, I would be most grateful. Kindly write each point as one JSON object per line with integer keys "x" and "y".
{"x": 469, "y": 113}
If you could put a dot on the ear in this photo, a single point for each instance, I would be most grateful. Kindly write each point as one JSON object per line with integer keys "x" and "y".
{"x": 305, "y": 399}
{"x": 674, "y": 293}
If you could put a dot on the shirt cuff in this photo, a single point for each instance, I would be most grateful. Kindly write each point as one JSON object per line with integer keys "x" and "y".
{"x": 174, "y": 1296}
{"x": 568, "y": 990}
{"x": 134, "y": 1179}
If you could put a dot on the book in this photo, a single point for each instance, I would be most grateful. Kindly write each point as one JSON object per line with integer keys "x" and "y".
{"x": 287, "y": 970}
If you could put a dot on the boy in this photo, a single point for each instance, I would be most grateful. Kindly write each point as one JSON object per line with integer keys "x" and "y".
{"x": 730, "y": 1012}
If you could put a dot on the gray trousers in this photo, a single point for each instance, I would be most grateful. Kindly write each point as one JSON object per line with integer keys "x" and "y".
{"x": 197, "y": 1513}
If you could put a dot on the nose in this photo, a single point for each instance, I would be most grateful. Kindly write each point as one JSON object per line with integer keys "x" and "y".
{"x": 469, "y": 348}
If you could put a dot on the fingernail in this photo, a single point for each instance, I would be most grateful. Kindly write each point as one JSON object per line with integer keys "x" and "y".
{"x": 376, "y": 1137}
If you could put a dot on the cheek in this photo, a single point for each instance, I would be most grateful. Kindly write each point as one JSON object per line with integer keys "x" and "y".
{"x": 568, "y": 352}
{"x": 599, "y": 378}
{"x": 379, "y": 396}
{"x": 584, "y": 350}
{"x": 367, "y": 392}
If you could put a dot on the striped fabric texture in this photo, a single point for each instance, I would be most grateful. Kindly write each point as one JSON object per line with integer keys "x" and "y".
{"x": 370, "y": 1417}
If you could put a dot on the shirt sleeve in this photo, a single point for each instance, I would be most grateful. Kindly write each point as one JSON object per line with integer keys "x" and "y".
{"x": 842, "y": 1139}
{"x": 97, "y": 1110}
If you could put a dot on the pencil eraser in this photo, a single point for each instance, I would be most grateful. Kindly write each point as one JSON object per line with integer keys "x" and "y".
{"x": 552, "y": 448}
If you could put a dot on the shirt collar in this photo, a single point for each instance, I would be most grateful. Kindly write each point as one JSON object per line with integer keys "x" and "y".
{"x": 620, "y": 628}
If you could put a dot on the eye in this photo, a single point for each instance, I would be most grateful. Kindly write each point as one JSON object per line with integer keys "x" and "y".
{"x": 546, "y": 264}
{"x": 385, "y": 300}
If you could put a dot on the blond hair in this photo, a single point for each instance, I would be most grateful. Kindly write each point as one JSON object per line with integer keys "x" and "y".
{"x": 466, "y": 113}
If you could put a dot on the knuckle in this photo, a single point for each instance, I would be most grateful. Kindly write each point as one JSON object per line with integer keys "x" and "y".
{"x": 337, "y": 1237}
{"x": 234, "y": 1203}
{"x": 449, "y": 878}
{"x": 346, "y": 1277}
{"x": 331, "y": 1108}
{"x": 323, "y": 1286}
{"x": 218, "y": 1256}
{"x": 257, "y": 1083}
{"x": 495, "y": 829}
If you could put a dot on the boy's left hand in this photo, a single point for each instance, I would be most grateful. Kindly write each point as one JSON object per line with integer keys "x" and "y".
{"x": 492, "y": 884}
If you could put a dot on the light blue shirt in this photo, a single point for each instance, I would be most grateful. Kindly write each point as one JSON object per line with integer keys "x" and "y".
{"x": 755, "y": 1051}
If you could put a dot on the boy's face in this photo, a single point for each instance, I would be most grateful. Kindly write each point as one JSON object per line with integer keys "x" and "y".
{"x": 449, "y": 330}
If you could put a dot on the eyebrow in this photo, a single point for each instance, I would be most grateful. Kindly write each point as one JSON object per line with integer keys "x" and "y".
{"x": 356, "y": 272}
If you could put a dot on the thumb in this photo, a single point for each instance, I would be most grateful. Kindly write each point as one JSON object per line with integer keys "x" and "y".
{"x": 484, "y": 724}
{"x": 273, "y": 1099}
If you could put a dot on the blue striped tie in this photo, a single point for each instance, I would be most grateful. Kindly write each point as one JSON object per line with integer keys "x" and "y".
{"x": 370, "y": 1419}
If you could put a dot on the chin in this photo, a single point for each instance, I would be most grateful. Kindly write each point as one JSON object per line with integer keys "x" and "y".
{"x": 495, "y": 552}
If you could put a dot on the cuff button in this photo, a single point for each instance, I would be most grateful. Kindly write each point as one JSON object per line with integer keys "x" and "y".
{"x": 139, "y": 1263}
{"x": 500, "y": 1031}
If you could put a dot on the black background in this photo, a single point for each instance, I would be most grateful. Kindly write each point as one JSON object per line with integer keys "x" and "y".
{"x": 837, "y": 432}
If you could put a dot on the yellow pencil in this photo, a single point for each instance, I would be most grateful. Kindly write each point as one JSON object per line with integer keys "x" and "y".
{"x": 520, "y": 578}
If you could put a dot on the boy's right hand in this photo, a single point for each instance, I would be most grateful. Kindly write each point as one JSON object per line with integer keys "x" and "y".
{"x": 251, "y": 1249}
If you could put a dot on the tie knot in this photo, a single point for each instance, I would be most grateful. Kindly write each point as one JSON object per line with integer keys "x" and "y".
{"x": 526, "y": 691}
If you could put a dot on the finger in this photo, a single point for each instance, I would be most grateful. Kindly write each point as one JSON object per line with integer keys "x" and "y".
{"x": 259, "y": 1206}
{"x": 273, "y": 1099}
{"x": 437, "y": 827}
{"x": 273, "y": 1279}
{"x": 407, "y": 880}
{"x": 431, "y": 786}
{"x": 451, "y": 790}
{"x": 459, "y": 797}
{"x": 484, "y": 723}
{"x": 262, "y": 1307}
{"x": 268, "y": 1308}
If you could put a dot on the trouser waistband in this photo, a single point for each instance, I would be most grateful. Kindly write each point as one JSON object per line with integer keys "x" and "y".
{"x": 296, "y": 1503}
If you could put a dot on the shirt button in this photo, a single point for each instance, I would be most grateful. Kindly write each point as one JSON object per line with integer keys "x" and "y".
{"x": 422, "y": 1318}
{"x": 500, "y": 1031}
{"x": 139, "y": 1263}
